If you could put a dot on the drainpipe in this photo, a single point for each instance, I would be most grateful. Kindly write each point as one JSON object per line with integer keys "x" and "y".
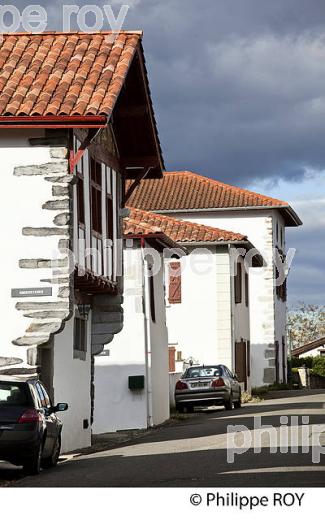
{"x": 232, "y": 306}
{"x": 147, "y": 335}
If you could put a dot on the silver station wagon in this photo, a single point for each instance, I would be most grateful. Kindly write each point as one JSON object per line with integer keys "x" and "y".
{"x": 208, "y": 385}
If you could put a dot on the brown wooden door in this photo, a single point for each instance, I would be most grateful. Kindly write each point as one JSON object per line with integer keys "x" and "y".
{"x": 241, "y": 362}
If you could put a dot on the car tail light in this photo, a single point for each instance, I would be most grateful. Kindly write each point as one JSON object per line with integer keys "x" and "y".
{"x": 218, "y": 382}
{"x": 181, "y": 385}
{"x": 30, "y": 416}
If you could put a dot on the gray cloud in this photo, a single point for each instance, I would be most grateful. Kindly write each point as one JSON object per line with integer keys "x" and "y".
{"x": 307, "y": 277}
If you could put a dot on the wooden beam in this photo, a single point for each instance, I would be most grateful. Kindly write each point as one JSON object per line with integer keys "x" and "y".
{"x": 134, "y": 185}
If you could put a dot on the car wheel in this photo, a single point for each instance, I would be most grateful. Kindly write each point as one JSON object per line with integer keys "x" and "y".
{"x": 52, "y": 461}
{"x": 189, "y": 408}
{"x": 180, "y": 408}
{"x": 228, "y": 403}
{"x": 237, "y": 404}
{"x": 32, "y": 466}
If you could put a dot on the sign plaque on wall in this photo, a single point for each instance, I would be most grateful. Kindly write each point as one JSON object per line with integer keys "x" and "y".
{"x": 31, "y": 292}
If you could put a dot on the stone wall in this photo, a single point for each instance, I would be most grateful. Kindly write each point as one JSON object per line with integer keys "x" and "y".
{"x": 45, "y": 316}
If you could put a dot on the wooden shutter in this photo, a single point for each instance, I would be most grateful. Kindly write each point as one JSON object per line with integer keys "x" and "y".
{"x": 246, "y": 290}
{"x": 152, "y": 295}
{"x": 241, "y": 362}
{"x": 248, "y": 358}
{"x": 172, "y": 363}
{"x": 238, "y": 283}
{"x": 175, "y": 283}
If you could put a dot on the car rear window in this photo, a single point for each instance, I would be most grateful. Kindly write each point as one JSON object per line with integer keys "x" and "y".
{"x": 203, "y": 372}
{"x": 14, "y": 394}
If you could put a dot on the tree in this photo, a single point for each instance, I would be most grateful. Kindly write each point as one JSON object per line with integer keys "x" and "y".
{"x": 306, "y": 323}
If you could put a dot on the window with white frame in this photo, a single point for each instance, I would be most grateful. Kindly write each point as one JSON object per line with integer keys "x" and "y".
{"x": 96, "y": 219}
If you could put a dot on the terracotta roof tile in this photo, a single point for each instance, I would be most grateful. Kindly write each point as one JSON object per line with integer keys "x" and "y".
{"x": 142, "y": 222}
{"x": 63, "y": 74}
{"x": 187, "y": 190}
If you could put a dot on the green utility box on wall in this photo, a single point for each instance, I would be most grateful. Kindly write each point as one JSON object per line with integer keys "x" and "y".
{"x": 136, "y": 382}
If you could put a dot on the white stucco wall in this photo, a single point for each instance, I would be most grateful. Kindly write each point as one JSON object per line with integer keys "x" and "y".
{"x": 280, "y": 324}
{"x": 222, "y": 295}
{"x": 71, "y": 384}
{"x": 21, "y": 206}
{"x": 159, "y": 354}
{"x": 319, "y": 351}
{"x": 192, "y": 323}
{"x": 138, "y": 350}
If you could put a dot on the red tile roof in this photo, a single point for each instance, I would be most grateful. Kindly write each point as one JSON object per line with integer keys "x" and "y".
{"x": 184, "y": 190}
{"x": 71, "y": 74}
{"x": 142, "y": 222}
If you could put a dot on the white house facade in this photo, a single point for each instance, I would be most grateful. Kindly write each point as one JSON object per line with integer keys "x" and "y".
{"x": 131, "y": 374}
{"x": 191, "y": 197}
{"x": 64, "y": 166}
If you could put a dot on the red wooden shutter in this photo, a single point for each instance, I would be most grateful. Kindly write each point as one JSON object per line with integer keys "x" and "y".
{"x": 175, "y": 283}
{"x": 172, "y": 364}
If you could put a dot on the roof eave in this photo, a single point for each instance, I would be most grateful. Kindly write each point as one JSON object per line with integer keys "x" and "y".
{"x": 308, "y": 347}
{"x": 163, "y": 239}
{"x": 258, "y": 258}
{"x": 142, "y": 60}
{"x": 63, "y": 121}
{"x": 292, "y": 221}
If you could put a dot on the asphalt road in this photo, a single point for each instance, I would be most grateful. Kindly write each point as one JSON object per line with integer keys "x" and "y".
{"x": 194, "y": 452}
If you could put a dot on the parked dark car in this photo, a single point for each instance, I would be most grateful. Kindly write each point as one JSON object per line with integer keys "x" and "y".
{"x": 202, "y": 385}
{"x": 30, "y": 430}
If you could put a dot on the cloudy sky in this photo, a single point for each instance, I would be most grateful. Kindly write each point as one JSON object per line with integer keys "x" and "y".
{"x": 239, "y": 94}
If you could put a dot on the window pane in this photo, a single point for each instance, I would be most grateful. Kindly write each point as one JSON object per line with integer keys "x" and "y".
{"x": 80, "y": 200}
{"x": 96, "y": 209}
{"x": 110, "y": 222}
{"x": 96, "y": 171}
{"x": 14, "y": 395}
{"x": 47, "y": 399}
{"x": 41, "y": 395}
{"x": 80, "y": 335}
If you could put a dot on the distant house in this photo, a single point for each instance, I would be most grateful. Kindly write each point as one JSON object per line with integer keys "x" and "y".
{"x": 207, "y": 296}
{"x": 76, "y": 122}
{"x": 313, "y": 348}
{"x": 192, "y": 197}
{"x": 131, "y": 374}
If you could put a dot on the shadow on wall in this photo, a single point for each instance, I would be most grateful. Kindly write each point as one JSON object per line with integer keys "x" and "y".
{"x": 263, "y": 364}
